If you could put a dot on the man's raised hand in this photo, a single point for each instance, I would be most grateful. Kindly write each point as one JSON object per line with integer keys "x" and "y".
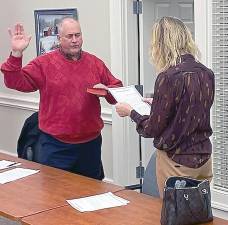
{"x": 19, "y": 40}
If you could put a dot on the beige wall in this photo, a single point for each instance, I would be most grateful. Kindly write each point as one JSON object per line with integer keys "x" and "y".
{"x": 15, "y": 107}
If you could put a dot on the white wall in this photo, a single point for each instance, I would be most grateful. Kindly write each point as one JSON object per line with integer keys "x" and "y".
{"x": 15, "y": 107}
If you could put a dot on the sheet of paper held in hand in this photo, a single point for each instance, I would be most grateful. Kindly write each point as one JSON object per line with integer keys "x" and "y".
{"x": 130, "y": 95}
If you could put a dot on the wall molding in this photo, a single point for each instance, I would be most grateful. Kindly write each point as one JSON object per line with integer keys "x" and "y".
{"x": 219, "y": 199}
{"x": 106, "y": 115}
{"x": 32, "y": 104}
{"x": 19, "y": 102}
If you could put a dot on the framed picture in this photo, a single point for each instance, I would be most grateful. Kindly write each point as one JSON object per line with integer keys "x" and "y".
{"x": 46, "y": 22}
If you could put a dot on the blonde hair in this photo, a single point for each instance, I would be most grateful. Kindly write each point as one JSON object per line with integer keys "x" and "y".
{"x": 170, "y": 39}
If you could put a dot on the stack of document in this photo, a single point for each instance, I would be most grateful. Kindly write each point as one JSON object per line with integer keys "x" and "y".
{"x": 130, "y": 95}
{"x": 15, "y": 174}
{"x": 5, "y": 164}
{"x": 102, "y": 201}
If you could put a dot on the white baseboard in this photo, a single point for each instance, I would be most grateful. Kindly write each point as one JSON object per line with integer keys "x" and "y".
{"x": 108, "y": 180}
{"x": 220, "y": 203}
{"x": 220, "y": 213}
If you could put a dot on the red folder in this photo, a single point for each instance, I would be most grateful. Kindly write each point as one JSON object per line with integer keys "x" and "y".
{"x": 97, "y": 91}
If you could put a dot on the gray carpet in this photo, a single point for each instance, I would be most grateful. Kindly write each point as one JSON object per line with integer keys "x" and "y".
{"x": 5, "y": 221}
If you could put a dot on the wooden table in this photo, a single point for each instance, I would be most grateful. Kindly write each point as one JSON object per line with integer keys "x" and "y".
{"x": 142, "y": 210}
{"x": 48, "y": 189}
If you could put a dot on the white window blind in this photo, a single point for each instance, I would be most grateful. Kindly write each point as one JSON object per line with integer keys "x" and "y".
{"x": 220, "y": 108}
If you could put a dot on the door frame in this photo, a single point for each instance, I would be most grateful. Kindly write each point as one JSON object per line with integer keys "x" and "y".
{"x": 123, "y": 52}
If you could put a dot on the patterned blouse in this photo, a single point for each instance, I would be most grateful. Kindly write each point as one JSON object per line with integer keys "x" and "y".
{"x": 179, "y": 120}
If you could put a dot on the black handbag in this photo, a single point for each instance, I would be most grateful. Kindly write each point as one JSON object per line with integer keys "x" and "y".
{"x": 186, "y": 201}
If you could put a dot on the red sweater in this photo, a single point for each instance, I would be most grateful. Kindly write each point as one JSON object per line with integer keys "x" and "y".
{"x": 66, "y": 110}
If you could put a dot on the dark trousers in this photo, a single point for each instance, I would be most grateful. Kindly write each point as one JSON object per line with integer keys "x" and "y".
{"x": 84, "y": 158}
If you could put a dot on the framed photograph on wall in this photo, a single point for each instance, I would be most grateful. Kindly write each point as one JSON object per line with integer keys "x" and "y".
{"x": 46, "y": 22}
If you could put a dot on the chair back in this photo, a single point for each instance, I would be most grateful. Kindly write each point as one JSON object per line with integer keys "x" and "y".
{"x": 150, "y": 186}
{"x": 28, "y": 141}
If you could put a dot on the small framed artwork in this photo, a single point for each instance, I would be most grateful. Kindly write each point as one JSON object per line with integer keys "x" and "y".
{"x": 46, "y": 22}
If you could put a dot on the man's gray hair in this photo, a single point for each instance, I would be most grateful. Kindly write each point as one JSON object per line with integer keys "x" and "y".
{"x": 60, "y": 23}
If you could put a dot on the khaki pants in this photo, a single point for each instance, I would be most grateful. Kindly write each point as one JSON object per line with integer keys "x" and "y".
{"x": 166, "y": 167}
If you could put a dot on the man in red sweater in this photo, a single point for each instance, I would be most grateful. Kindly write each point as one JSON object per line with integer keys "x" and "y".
{"x": 69, "y": 117}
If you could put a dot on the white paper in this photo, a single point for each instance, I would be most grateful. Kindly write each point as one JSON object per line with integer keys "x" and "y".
{"x": 5, "y": 164}
{"x": 96, "y": 202}
{"x": 130, "y": 95}
{"x": 15, "y": 174}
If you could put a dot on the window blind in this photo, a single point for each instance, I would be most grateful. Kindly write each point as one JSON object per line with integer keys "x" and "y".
{"x": 220, "y": 107}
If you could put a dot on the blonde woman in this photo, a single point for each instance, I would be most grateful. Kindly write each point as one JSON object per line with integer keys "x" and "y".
{"x": 179, "y": 120}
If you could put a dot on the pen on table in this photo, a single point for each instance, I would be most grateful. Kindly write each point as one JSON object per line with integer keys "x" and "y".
{"x": 14, "y": 164}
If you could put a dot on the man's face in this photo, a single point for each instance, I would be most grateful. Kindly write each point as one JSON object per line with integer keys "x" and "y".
{"x": 70, "y": 37}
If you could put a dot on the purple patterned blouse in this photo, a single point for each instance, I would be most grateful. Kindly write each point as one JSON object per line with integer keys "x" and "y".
{"x": 179, "y": 120}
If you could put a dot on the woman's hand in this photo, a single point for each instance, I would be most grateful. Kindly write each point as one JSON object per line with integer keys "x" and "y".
{"x": 123, "y": 109}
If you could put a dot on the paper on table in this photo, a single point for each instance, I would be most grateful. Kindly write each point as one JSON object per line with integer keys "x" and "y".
{"x": 130, "y": 95}
{"x": 5, "y": 164}
{"x": 15, "y": 174}
{"x": 102, "y": 201}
